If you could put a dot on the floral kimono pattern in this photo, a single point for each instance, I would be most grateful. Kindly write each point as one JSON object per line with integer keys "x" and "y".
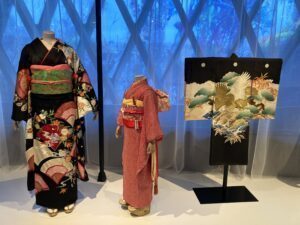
{"x": 53, "y": 94}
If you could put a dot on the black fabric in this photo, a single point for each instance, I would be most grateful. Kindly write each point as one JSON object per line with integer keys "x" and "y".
{"x": 30, "y": 180}
{"x": 55, "y": 198}
{"x": 38, "y": 51}
{"x": 227, "y": 154}
{"x": 215, "y": 68}
{"x": 24, "y": 64}
{"x": 47, "y": 102}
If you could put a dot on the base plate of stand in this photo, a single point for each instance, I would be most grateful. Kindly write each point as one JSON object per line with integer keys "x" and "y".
{"x": 224, "y": 195}
{"x": 101, "y": 177}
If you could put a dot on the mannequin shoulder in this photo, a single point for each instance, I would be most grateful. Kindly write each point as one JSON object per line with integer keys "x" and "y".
{"x": 149, "y": 92}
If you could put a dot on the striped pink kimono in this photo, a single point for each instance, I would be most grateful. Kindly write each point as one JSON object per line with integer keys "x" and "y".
{"x": 137, "y": 182}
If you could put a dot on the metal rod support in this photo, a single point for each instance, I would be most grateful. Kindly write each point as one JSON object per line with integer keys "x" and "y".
{"x": 101, "y": 175}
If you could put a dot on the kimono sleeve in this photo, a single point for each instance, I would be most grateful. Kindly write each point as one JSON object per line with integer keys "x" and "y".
{"x": 83, "y": 89}
{"x": 151, "y": 121}
{"x": 20, "y": 102}
{"x": 120, "y": 118}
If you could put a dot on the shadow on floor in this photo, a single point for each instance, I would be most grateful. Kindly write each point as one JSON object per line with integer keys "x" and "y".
{"x": 188, "y": 180}
{"x": 14, "y": 194}
{"x": 112, "y": 174}
{"x": 292, "y": 181}
{"x": 185, "y": 201}
{"x": 88, "y": 190}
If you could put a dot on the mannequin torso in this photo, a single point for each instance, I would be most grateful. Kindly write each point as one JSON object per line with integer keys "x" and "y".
{"x": 48, "y": 39}
{"x": 151, "y": 144}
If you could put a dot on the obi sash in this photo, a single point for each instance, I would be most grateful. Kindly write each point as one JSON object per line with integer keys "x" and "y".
{"x": 132, "y": 111}
{"x": 132, "y": 102}
{"x": 131, "y": 123}
{"x": 51, "y": 79}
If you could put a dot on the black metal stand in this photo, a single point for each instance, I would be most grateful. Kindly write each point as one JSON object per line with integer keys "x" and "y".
{"x": 101, "y": 175}
{"x": 224, "y": 194}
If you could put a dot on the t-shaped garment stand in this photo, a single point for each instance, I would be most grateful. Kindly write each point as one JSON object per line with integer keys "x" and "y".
{"x": 230, "y": 92}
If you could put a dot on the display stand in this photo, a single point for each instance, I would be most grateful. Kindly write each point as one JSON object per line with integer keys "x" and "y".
{"x": 255, "y": 100}
{"x": 101, "y": 175}
{"x": 224, "y": 194}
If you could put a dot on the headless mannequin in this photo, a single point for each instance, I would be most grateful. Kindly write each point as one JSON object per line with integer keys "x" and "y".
{"x": 151, "y": 150}
{"x": 139, "y": 77}
{"x": 48, "y": 39}
{"x": 151, "y": 145}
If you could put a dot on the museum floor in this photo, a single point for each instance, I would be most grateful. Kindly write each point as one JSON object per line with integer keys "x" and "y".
{"x": 279, "y": 202}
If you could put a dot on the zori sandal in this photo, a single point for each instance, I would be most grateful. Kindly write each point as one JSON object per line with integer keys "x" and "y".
{"x": 69, "y": 208}
{"x": 123, "y": 203}
{"x": 52, "y": 212}
{"x": 139, "y": 211}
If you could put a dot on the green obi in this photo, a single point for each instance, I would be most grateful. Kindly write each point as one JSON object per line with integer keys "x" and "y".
{"x": 51, "y": 82}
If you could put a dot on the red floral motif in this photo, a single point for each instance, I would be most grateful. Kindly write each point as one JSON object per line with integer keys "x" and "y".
{"x": 22, "y": 83}
{"x": 50, "y": 134}
{"x": 85, "y": 78}
{"x": 69, "y": 144}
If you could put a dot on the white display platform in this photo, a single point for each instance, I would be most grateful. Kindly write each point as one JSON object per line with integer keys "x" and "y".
{"x": 176, "y": 204}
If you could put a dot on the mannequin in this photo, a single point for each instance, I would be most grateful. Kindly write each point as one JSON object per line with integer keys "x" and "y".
{"x": 139, "y": 77}
{"x": 151, "y": 145}
{"x": 45, "y": 106}
{"x": 138, "y": 118}
{"x": 48, "y": 39}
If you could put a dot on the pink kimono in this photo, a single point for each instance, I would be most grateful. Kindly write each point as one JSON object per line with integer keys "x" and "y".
{"x": 139, "y": 117}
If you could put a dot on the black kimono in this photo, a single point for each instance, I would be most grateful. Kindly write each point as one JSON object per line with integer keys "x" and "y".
{"x": 53, "y": 93}
{"x": 231, "y": 92}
